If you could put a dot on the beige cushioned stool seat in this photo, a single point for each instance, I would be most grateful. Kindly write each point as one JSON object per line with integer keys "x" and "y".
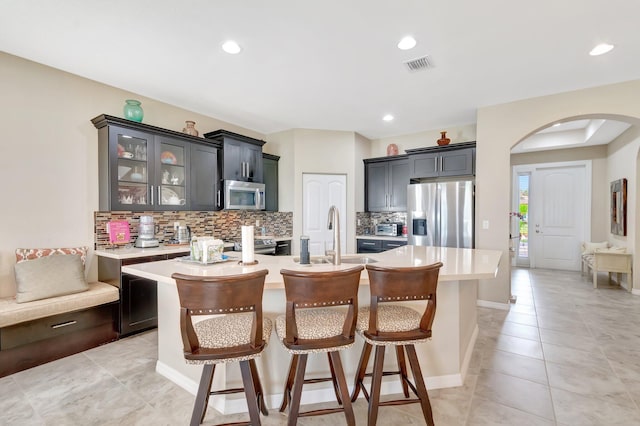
{"x": 314, "y": 324}
{"x": 228, "y": 331}
{"x": 391, "y": 318}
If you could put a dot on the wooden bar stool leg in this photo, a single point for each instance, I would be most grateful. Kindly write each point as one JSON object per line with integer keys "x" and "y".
{"x": 286, "y": 396}
{"x": 376, "y": 382}
{"x": 250, "y": 392}
{"x": 342, "y": 385}
{"x": 333, "y": 378}
{"x": 419, "y": 381}
{"x": 362, "y": 371}
{"x": 258, "y": 387}
{"x": 403, "y": 370}
{"x": 202, "y": 398}
{"x": 294, "y": 410}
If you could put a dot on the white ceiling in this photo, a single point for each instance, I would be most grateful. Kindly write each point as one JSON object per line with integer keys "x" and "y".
{"x": 573, "y": 134}
{"x": 331, "y": 64}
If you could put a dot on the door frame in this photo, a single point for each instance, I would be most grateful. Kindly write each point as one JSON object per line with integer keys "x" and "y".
{"x": 531, "y": 168}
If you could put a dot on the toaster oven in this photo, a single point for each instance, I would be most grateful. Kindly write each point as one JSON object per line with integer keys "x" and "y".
{"x": 389, "y": 229}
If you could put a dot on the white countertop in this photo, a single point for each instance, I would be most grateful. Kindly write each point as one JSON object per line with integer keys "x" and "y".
{"x": 458, "y": 264}
{"x": 131, "y": 252}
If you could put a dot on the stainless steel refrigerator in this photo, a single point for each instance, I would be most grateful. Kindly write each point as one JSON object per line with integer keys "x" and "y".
{"x": 441, "y": 214}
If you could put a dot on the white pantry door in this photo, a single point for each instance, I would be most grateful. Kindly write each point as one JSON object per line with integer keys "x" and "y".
{"x": 319, "y": 192}
{"x": 561, "y": 213}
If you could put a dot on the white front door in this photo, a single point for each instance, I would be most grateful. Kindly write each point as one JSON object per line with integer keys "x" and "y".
{"x": 319, "y": 192}
{"x": 559, "y": 203}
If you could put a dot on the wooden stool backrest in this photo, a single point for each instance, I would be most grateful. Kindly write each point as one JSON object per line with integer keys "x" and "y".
{"x": 403, "y": 284}
{"x": 306, "y": 290}
{"x": 231, "y": 294}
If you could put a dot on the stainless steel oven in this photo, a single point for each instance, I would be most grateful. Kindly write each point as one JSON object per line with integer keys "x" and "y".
{"x": 243, "y": 195}
{"x": 260, "y": 246}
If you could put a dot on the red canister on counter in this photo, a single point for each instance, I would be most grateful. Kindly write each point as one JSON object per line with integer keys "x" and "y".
{"x": 404, "y": 230}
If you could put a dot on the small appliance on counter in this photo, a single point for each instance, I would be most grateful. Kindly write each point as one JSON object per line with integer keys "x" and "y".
{"x": 184, "y": 234}
{"x": 389, "y": 229}
{"x": 147, "y": 233}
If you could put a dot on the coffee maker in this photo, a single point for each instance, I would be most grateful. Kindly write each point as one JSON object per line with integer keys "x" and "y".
{"x": 147, "y": 233}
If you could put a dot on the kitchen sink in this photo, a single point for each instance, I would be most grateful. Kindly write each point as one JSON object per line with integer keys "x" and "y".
{"x": 315, "y": 260}
{"x": 362, "y": 260}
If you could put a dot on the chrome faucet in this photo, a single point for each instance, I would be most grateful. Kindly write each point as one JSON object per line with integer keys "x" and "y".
{"x": 334, "y": 223}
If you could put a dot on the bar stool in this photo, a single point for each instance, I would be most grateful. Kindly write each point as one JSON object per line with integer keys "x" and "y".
{"x": 384, "y": 324}
{"x": 240, "y": 334}
{"x": 316, "y": 321}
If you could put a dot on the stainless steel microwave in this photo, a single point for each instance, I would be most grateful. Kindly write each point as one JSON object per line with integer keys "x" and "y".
{"x": 243, "y": 195}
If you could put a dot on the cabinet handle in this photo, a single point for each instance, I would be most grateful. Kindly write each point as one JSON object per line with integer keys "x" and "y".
{"x": 441, "y": 163}
{"x": 435, "y": 164}
{"x": 151, "y": 186}
{"x": 64, "y": 324}
{"x": 366, "y": 243}
{"x": 159, "y": 196}
{"x": 218, "y": 198}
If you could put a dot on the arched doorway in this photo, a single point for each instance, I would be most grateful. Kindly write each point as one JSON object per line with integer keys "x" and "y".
{"x": 499, "y": 128}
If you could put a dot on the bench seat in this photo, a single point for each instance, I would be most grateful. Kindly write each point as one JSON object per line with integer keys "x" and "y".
{"x": 610, "y": 262}
{"x": 12, "y": 312}
{"x": 40, "y": 331}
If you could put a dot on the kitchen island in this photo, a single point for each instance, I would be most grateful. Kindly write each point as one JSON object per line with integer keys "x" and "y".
{"x": 444, "y": 360}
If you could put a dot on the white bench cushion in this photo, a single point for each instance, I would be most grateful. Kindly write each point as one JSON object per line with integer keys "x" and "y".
{"x": 12, "y": 312}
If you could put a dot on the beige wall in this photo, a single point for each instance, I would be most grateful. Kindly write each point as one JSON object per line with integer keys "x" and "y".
{"x": 499, "y": 128}
{"x": 457, "y": 134}
{"x": 622, "y": 163}
{"x": 322, "y": 151}
{"x": 49, "y": 161}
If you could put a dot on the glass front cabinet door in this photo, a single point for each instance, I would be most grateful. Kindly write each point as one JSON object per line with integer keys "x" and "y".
{"x": 146, "y": 171}
{"x": 171, "y": 176}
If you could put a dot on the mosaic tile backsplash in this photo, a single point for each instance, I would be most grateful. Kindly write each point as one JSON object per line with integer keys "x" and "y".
{"x": 224, "y": 225}
{"x": 368, "y": 221}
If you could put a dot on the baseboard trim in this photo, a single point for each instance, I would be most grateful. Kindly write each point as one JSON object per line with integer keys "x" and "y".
{"x": 492, "y": 305}
{"x": 635, "y": 291}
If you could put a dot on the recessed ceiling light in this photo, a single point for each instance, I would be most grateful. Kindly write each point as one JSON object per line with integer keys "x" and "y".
{"x": 407, "y": 43}
{"x": 388, "y": 117}
{"x": 231, "y": 47}
{"x": 601, "y": 49}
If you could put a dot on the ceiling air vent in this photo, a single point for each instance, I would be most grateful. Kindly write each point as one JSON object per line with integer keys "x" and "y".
{"x": 419, "y": 64}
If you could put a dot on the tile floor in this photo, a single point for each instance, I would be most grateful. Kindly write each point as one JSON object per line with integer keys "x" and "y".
{"x": 565, "y": 354}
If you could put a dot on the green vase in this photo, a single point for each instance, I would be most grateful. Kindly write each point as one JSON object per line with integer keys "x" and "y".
{"x": 133, "y": 111}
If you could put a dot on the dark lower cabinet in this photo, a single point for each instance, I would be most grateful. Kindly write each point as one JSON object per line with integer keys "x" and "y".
{"x": 378, "y": 246}
{"x": 139, "y": 304}
{"x": 283, "y": 248}
{"x": 138, "y": 310}
{"x": 369, "y": 246}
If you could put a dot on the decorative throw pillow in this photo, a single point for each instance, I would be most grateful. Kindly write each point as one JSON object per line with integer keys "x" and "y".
{"x": 36, "y": 253}
{"x": 589, "y": 248}
{"x": 49, "y": 276}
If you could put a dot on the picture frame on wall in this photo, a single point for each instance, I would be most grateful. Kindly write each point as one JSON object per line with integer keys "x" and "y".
{"x": 619, "y": 207}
